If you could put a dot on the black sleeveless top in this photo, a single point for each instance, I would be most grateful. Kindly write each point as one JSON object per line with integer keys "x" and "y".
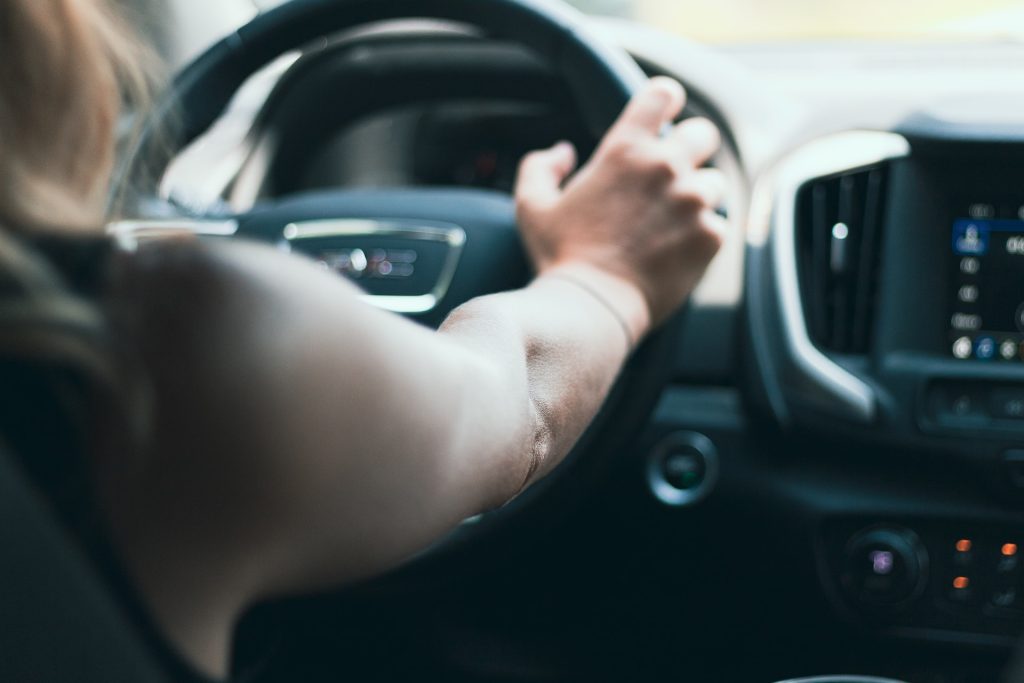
{"x": 45, "y": 408}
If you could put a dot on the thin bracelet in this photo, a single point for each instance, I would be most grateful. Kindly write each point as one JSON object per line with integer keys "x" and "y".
{"x": 601, "y": 300}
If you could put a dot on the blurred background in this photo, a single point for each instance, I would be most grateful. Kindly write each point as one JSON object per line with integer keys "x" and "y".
{"x": 720, "y": 22}
{"x": 758, "y": 21}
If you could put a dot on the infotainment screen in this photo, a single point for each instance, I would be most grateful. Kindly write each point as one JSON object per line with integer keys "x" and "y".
{"x": 987, "y": 311}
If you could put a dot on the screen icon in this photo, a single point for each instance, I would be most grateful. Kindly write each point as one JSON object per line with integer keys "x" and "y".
{"x": 1008, "y": 349}
{"x": 968, "y": 294}
{"x": 985, "y": 348}
{"x": 963, "y": 347}
{"x": 970, "y": 237}
{"x": 970, "y": 265}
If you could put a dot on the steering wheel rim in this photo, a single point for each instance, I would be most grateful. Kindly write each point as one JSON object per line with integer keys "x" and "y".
{"x": 603, "y": 79}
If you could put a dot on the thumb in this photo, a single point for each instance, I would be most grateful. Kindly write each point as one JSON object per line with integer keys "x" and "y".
{"x": 542, "y": 173}
{"x": 657, "y": 103}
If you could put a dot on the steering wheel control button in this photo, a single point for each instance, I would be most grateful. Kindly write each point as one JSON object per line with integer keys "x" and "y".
{"x": 404, "y": 266}
{"x": 682, "y": 468}
{"x": 884, "y": 567}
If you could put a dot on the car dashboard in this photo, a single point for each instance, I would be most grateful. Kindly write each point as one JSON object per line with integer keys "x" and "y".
{"x": 849, "y": 378}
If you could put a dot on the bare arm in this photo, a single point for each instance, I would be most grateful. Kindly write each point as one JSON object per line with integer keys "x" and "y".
{"x": 304, "y": 438}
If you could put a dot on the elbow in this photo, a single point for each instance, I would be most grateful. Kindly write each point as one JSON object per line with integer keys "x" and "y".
{"x": 540, "y": 450}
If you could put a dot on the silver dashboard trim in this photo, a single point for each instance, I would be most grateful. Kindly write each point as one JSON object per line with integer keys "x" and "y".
{"x": 821, "y": 158}
{"x": 129, "y": 233}
{"x": 450, "y": 234}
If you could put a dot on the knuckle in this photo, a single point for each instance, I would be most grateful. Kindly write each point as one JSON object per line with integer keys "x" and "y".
{"x": 620, "y": 150}
{"x": 711, "y": 233}
{"x": 529, "y": 161}
{"x": 525, "y": 202}
{"x": 639, "y": 159}
{"x": 688, "y": 198}
{"x": 659, "y": 168}
{"x": 527, "y": 210}
{"x": 714, "y": 239}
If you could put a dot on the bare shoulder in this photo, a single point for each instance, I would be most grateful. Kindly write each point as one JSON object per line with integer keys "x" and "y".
{"x": 248, "y": 325}
{"x": 217, "y": 326}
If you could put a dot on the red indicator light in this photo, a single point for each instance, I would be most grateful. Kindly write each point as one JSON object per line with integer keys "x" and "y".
{"x": 961, "y": 582}
{"x": 963, "y": 545}
{"x": 1009, "y": 549}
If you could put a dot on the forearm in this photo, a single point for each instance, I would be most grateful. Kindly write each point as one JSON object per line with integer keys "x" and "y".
{"x": 556, "y": 347}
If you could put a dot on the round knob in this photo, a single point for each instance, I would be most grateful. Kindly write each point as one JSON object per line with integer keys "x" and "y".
{"x": 682, "y": 468}
{"x": 884, "y": 566}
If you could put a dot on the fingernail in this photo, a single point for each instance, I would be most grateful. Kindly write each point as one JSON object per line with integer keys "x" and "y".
{"x": 657, "y": 93}
{"x": 664, "y": 87}
{"x": 707, "y": 129}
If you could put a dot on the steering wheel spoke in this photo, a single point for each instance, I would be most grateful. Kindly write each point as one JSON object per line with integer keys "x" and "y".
{"x": 416, "y": 251}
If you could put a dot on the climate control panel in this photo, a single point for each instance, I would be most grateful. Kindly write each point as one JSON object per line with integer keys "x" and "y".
{"x": 928, "y": 577}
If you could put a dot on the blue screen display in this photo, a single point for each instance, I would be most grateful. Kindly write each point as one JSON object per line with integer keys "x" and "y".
{"x": 987, "y": 312}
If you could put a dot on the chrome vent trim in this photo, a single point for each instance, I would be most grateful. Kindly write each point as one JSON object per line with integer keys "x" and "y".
{"x": 843, "y": 152}
{"x": 838, "y": 240}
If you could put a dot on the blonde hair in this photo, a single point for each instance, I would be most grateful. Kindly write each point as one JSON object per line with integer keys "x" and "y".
{"x": 66, "y": 69}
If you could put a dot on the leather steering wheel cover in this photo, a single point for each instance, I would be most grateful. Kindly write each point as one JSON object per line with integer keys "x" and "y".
{"x": 602, "y": 78}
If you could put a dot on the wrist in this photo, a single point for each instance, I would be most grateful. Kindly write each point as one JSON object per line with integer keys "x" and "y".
{"x": 624, "y": 298}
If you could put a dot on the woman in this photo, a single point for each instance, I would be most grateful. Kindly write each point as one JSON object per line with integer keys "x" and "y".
{"x": 286, "y": 447}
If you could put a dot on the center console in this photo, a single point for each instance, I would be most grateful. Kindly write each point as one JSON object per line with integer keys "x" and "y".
{"x": 951, "y": 322}
{"x": 886, "y": 295}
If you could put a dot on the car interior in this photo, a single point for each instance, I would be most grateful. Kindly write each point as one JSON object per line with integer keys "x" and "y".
{"x": 816, "y": 469}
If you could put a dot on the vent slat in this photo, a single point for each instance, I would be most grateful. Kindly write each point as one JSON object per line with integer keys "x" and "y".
{"x": 838, "y": 240}
{"x": 867, "y": 275}
{"x": 819, "y": 259}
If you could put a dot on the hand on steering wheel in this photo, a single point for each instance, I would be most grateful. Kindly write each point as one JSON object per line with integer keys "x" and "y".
{"x": 641, "y": 210}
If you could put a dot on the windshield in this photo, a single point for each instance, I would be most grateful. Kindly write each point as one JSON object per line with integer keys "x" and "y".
{"x": 771, "y": 21}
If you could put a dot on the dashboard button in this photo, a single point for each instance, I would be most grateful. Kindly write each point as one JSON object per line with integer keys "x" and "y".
{"x": 1009, "y": 559}
{"x": 1004, "y": 597}
{"x": 884, "y": 567}
{"x": 1013, "y": 464}
{"x": 962, "y": 556}
{"x": 953, "y": 405}
{"x": 682, "y": 468}
{"x": 1007, "y": 403}
{"x": 1007, "y": 565}
{"x": 961, "y": 590}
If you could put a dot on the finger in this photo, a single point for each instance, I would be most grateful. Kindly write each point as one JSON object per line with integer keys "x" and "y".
{"x": 695, "y": 140}
{"x": 707, "y": 186}
{"x": 715, "y": 225}
{"x": 542, "y": 173}
{"x": 658, "y": 103}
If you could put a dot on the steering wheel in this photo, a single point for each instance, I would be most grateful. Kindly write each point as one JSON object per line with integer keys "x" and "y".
{"x": 466, "y": 241}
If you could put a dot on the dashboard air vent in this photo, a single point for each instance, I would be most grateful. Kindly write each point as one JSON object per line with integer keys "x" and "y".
{"x": 838, "y": 244}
